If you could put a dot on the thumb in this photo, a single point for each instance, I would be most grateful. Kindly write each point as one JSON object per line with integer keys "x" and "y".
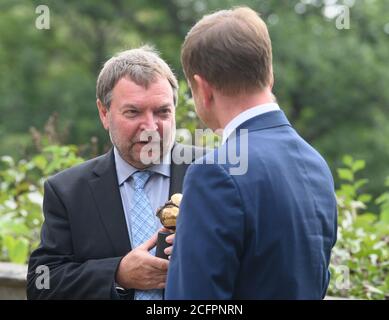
{"x": 149, "y": 244}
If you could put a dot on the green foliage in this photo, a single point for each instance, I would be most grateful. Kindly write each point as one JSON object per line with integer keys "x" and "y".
{"x": 21, "y": 195}
{"x": 187, "y": 122}
{"x": 330, "y": 82}
{"x": 383, "y": 202}
{"x": 186, "y": 117}
{"x": 360, "y": 258}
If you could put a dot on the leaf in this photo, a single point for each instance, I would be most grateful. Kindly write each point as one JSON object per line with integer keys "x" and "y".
{"x": 384, "y": 216}
{"x": 382, "y": 199}
{"x": 40, "y": 161}
{"x": 358, "y": 165}
{"x": 366, "y": 219}
{"x": 360, "y": 183}
{"x": 346, "y": 174}
{"x": 365, "y": 198}
{"x": 8, "y": 242}
{"x": 9, "y": 225}
{"x": 373, "y": 289}
{"x": 17, "y": 249}
{"x": 346, "y": 190}
{"x": 348, "y": 160}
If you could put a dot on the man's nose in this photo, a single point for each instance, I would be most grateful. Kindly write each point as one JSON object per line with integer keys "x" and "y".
{"x": 149, "y": 122}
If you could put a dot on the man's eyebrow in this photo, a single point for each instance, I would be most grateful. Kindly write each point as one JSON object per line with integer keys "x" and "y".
{"x": 133, "y": 106}
{"x": 166, "y": 105}
{"x": 129, "y": 106}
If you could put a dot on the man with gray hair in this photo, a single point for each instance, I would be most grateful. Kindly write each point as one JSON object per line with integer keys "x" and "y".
{"x": 100, "y": 225}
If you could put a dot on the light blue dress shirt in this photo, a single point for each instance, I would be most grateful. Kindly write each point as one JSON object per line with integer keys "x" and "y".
{"x": 156, "y": 188}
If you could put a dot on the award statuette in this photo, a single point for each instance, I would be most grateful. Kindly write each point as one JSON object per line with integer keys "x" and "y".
{"x": 168, "y": 215}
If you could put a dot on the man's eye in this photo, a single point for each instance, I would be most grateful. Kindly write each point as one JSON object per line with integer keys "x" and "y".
{"x": 164, "y": 111}
{"x": 131, "y": 112}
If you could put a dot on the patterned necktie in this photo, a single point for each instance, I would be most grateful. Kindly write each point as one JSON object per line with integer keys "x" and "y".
{"x": 144, "y": 225}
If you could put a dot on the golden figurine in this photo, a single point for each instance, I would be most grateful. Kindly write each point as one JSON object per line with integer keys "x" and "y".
{"x": 167, "y": 214}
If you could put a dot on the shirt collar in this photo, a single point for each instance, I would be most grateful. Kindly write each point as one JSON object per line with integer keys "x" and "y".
{"x": 246, "y": 115}
{"x": 124, "y": 170}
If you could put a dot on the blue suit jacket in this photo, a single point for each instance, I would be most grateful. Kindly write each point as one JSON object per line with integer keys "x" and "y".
{"x": 266, "y": 234}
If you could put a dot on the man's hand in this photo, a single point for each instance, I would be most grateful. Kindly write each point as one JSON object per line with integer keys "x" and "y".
{"x": 140, "y": 270}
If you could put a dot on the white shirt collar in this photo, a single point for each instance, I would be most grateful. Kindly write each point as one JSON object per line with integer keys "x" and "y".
{"x": 246, "y": 115}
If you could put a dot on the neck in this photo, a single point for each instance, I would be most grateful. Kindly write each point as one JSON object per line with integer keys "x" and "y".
{"x": 227, "y": 108}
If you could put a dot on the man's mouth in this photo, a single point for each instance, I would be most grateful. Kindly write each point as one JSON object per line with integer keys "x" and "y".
{"x": 143, "y": 143}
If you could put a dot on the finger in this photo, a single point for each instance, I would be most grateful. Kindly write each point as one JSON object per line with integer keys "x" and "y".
{"x": 149, "y": 244}
{"x": 162, "y": 285}
{"x": 170, "y": 238}
{"x": 155, "y": 281}
{"x": 168, "y": 251}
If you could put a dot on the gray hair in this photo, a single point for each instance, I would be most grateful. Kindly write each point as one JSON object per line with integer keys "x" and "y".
{"x": 142, "y": 66}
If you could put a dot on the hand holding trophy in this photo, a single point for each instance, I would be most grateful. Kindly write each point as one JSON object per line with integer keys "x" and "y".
{"x": 167, "y": 214}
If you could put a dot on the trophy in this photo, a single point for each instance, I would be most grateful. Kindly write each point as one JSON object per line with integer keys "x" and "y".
{"x": 167, "y": 214}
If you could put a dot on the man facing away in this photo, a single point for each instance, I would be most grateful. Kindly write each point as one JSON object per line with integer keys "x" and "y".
{"x": 265, "y": 232}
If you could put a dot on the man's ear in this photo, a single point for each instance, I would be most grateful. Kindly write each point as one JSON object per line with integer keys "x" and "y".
{"x": 103, "y": 113}
{"x": 271, "y": 84}
{"x": 204, "y": 89}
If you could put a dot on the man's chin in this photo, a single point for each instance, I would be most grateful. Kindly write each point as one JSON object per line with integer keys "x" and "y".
{"x": 146, "y": 159}
{"x": 143, "y": 155}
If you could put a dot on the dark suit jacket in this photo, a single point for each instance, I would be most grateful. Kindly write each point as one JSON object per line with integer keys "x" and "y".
{"x": 84, "y": 235}
{"x": 266, "y": 234}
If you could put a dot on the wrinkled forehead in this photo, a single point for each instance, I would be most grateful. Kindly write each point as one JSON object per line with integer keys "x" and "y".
{"x": 156, "y": 93}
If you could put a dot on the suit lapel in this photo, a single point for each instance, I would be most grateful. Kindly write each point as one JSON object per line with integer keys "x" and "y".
{"x": 105, "y": 190}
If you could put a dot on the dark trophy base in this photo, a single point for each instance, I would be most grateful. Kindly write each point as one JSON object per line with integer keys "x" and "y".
{"x": 162, "y": 244}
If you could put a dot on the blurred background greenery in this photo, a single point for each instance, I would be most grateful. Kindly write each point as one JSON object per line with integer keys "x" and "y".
{"x": 331, "y": 82}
